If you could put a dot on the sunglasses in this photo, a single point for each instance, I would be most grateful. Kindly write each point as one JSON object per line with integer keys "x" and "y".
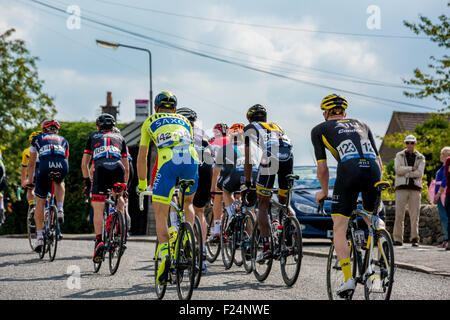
{"x": 410, "y": 142}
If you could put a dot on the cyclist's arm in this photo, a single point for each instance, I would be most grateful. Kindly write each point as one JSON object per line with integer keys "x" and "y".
{"x": 85, "y": 165}
{"x": 31, "y": 166}
{"x": 141, "y": 163}
{"x": 323, "y": 175}
{"x": 216, "y": 172}
{"x": 126, "y": 165}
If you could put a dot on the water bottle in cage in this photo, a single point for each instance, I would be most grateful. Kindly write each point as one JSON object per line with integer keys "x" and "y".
{"x": 359, "y": 239}
{"x": 109, "y": 219}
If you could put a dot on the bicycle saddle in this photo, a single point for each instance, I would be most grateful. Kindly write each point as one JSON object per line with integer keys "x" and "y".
{"x": 382, "y": 185}
{"x": 54, "y": 175}
{"x": 184, "y": 184}
{"x": 119, "y": 187}
{"x": 292, "y": 177}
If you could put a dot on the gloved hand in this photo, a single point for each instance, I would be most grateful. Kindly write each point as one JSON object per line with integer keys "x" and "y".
{"x": 142, "y": 186}
{"x": 87, "y": 185}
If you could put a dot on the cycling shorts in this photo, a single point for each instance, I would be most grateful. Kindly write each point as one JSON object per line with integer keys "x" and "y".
{"x": 352, "y": 177}
{"x": 203, "y": 195}
{"x": 173, "y": 165}
{"x": 46, "y": 165}
{"x": 106, "y": 173}
{"x": 266, "y": 177}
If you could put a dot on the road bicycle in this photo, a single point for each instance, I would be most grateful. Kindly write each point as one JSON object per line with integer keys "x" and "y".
{"x": 114, "y": 230}
{"x": 31, "y": 224}
{"x": 285, "y": 241}
{"x": 52, "y": 232}
{"x": 371, "y": 257}
{"x": 237, "y": 236}
{"x": 182, "y": 249}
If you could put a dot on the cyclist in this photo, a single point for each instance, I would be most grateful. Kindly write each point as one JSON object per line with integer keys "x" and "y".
{"x": 273, "y": 151}
{"x": 202, "y": 195}
{"x": 230, "y": 165}
{"x": 109, "y": 152}
{"x": 53, "y": 152}
{"x": 24, "y": 171}
{"x": 177, "y": 159}
{"x": 2, "y": 186}
{"x": 220, "y": 139}
{"x": 351, "y": 143}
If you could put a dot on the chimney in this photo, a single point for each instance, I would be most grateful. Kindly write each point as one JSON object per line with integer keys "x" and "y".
{"x": 109, "y": 108}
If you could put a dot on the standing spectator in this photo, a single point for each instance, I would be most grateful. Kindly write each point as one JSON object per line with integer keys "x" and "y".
{"x": 409, "y": 167}
{"x": 439, "y": 198}
{"x": 447, "y": 196}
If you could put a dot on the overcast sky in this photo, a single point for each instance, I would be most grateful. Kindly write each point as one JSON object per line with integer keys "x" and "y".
{"x": 274, "y": 36}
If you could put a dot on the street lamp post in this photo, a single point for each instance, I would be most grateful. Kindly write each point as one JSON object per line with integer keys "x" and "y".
{"x": 114, "y": 46}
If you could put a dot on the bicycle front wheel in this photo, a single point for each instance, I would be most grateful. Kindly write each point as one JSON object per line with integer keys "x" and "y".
{"x": 227, "y": 242}
{"x": 291, "y": 251}
{"x": 185, "y": 261}
{"x": 212, "y": 244}
{"x": 247, "y": 227}
{"x": 260, "y": 270}
{"x": 335, "y": 276}
{"x": 160, "y": 289}
{"x": 198, "y": 250}
{"x": 31, "y": 229}
{"x": 381, "y": 268}
{"x": 116, "y": 241}
{"x": 52, "y": 235}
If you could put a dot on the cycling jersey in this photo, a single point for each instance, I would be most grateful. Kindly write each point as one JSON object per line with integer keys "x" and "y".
{"x": 201, "y": 144}
{"x": 177, "y": 157}
{"x": 273, "y": 149}
{"x": 351, "y": 143}
{"x": 53, "y": 151}
{"x": 217, "y": 143}
{"x": 107, "y": 149}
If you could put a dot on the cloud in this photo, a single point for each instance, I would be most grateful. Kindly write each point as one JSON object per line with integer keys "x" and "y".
{"x": 20, "y": 18}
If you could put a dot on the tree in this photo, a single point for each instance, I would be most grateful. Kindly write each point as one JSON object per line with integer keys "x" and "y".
{"x": 23, "y": 104}
{"x": 433, "y": 85}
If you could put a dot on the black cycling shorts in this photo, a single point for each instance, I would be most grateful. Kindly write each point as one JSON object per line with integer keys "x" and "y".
{"x": 46, "y": 165}
{"x": 266, "y": 177}
{"x": 105, "y": 175}
{"x": 352, "y": 177}
{"x": 202, "y": 195}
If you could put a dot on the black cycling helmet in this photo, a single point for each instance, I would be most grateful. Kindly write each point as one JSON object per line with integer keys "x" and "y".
{"x": 256, "y": 113}
{"x": 105, "y": 121}
{"x": 188, "y": 113}
{"x": 166, "y": 99}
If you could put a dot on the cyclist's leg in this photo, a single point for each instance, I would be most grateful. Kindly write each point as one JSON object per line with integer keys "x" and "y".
{"x": 264, "y": 185}
{"x": 42, "y": 188}
{"x": 285, "y": 168}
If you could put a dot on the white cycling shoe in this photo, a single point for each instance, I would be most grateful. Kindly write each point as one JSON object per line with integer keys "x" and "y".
{"x": 347, "y": 287}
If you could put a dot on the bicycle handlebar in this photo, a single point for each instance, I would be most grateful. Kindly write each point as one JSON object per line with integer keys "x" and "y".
{"x": 141, "y": 198}
{"x": 321, "y": 205}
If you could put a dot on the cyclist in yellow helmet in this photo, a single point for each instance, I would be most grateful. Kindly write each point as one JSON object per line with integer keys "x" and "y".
{"x": 24, "y": 171}
{"x": 351, "y": 143}
{"x": 177, "y": 159}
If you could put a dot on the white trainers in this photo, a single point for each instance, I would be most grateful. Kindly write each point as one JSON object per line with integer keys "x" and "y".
{"x": 347, "y": 287}
{"x": 61, "y": 216}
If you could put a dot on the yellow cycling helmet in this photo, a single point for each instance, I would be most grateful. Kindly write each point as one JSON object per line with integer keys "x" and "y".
{"x": 34, "y": 134}
{"x": 333, "y": 101}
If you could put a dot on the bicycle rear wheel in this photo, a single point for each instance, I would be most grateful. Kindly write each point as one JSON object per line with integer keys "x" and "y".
{"x": 227, "y": 242}
{"x": 335, "y": 276}
{"x": 116, "y": 240}
{"x": 160, "y": 289}
{"x": 185, "y": 261}
{"x": 52, "y": 235}
{"x": 291, "y": 251}
{"x": 260, "y": 270}
{"x": 379, "y": 284}
{"x": 212, "y": 244}
{"x": 198, "y": 251}
{"x": 247, "y": 227}
{"x": 31, "y": 229}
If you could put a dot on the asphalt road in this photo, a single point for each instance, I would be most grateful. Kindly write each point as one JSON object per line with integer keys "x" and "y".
{"x": 71, "y": 276}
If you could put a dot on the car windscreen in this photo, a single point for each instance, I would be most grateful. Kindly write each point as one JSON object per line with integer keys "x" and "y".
{"x": 308, "y": 177}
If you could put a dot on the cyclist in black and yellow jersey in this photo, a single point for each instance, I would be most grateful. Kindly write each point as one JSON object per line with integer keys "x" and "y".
{"x": 359, "y": 167}
{"x": 177, "y": 159}
{"x": 24, "y": 172}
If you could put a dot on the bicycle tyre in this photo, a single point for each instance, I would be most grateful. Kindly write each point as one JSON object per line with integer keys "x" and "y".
{"x": 227, "y": 243}
{"x": 247, "y": 228}
{"x": 295, "y": 250}
{"x": 260, "y": 271}
{"x": 160, "y": 289}
{"x": 185, "y": 261}
{"x": 116, "y": 240}
{"x": 31, "y": 231}
{"x": 384, "y": 258}
{"x": 213, "y": 247}
{"x": 199, "y": 250}
{"x": 52, "y": 235}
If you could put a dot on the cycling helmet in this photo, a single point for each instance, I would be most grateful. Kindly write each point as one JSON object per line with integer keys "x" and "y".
{"x": 188, "y": 113}
{"x": 34, "y": 134}
{"x": 105, "y": 121}
{"x": 48, "y": 124}
{"x": 165, "y": 99}
{"x": 237, "y": 128}
{"x": 333, "y": 101}
{"x": 256, "y": 112}
{"x": 222, "y": 128}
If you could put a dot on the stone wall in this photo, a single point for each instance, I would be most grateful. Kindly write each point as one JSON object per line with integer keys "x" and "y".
{"x": 430, "y": 227}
